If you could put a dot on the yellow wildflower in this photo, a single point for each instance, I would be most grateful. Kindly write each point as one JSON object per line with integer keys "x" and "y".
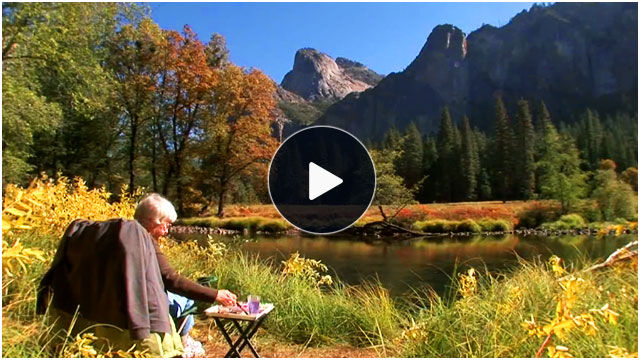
{"x": 556, "y": 265}
{"x": 468, "y": 283}
{"x": 620, "y": 352}
{"x": 559, "y": 352}
{"x": 608, "y": 314}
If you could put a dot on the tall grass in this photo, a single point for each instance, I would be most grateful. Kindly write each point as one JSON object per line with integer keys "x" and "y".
{"x": 305, "y": 311}
{"x": 490, "y": 321}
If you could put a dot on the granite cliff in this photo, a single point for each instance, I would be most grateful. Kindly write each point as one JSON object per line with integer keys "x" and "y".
{"x": 318, "y": 77}
{"x": 316, "y": 82}
{"x": 570, "y": 55}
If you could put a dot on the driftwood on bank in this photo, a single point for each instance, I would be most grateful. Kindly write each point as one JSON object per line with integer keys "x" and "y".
{"x": 624, "y": 253}
{"x": 621, "y": 254}
{"x": 385, "y": 224}
{"x": 385, "y": 228}
{"x": 395, "y": 228}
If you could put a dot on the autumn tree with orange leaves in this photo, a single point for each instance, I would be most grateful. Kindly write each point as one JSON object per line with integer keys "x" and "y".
{"x": 192, "y": 122}
{"x": 239, "y": 137}
{"x": 184, "y": 101}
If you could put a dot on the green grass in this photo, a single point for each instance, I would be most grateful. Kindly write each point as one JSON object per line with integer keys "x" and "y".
{"x": 250, "y": 223}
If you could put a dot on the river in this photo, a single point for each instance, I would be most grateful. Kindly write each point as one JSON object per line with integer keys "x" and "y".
{"x": 406, "y": 265}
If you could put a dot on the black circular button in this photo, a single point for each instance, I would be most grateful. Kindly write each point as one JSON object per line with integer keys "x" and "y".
{"x": 321, "y": 179}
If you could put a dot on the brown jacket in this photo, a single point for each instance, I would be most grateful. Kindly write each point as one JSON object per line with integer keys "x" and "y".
{"x": 109, "y": 272}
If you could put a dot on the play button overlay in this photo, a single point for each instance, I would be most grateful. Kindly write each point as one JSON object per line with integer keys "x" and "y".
{"x": 321, "y": 179}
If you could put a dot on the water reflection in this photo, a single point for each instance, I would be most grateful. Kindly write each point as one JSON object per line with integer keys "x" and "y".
{"x": 401, "y": 266}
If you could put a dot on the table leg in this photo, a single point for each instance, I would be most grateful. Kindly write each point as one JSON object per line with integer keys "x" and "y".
{"x": 244, "y": 338}
{"x": 232, "y": 351}
{"x": 246, "y": 334}
{"x": 256, "y": 326}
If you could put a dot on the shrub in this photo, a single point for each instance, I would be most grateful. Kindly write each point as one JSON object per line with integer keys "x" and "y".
{"x": 589, "y": 210}
{"x": 494, "y": 225}
{"x": 468, "y": 226}
{"x": 273, "y": 226}
{"x": 433, "y": 226}
{"x": 50, "y": 205}
{"x": 447, "y": 226}
{"x": 566, "y": 222}
{"x": 536, "y": 215}
{"x": 614, "y": 197}
{"x": 510, "y": 316}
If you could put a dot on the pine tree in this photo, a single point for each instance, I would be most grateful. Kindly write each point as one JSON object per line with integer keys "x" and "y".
{"x": 561, "y": 178}
{"x": 484, "y": 185}
{"x": 429, "y": 153}
{"x": 446, "y": 146}
{"x": 589, "y": 136}
{"x": 543, "y": 119}
{"x": 392, "y": 139}
{"x": 390, "y": 189}
{"x": 429, "y": 162}
{"x": 503, "y": 150}
{"x": 470, "y": 161}
{"x": 525, "y": 165}
{"x": 410, "y": 161}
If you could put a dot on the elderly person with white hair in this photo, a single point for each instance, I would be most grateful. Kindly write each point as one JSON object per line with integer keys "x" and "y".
{"x": 110, "y": 278}
{"x": 156, "y": 214}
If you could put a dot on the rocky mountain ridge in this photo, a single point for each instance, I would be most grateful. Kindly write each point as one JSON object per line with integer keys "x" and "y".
{"x": 318, "y": 77}
{"x": 569, "y": 55}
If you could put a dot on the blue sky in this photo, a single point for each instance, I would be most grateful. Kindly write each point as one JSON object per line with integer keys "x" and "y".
{"x": 386, "y": 37}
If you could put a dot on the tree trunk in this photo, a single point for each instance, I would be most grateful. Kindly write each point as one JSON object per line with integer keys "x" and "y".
{"x": 154, "y": 177}
{"x": 132, "y": 153}
{"x": 167, "y": 180}
{"x": 179, "y": 194}
{"x": 223, "y": 191}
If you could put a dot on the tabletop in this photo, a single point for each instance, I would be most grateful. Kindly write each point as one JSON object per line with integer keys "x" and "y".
{"x": 219, "y": 312}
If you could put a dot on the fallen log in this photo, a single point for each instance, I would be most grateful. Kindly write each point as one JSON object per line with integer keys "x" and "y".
{"x": 624, "y": 253}
{"x": 393, "y": 227}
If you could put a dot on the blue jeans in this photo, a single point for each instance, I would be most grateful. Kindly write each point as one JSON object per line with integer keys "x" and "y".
{"x": 177, "y": 305}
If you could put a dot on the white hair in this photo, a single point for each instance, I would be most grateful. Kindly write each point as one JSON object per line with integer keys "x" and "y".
{"x": 154, "y": 209}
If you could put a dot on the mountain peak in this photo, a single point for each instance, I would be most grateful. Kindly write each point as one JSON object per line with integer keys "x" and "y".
{"x": 317, "y": 76}
{"x": 445, "y": 43}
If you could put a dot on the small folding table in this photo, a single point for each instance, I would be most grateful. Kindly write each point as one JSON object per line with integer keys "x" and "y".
{"x": 253, "y": 322}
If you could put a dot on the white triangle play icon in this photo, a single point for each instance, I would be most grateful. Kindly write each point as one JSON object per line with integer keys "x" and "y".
{"x": 321, "y": 181}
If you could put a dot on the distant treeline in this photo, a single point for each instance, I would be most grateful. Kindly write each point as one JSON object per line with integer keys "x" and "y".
{"x": 527, "y": 156}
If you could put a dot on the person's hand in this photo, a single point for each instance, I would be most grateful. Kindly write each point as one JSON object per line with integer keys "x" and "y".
{"x": 226, "y": 298}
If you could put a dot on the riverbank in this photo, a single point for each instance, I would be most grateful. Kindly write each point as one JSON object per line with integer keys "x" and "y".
{"x": 486, "y": 218}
